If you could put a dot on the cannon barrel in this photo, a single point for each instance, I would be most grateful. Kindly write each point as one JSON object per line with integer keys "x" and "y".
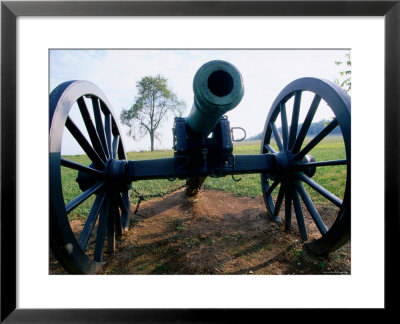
{"x": 218, "y": 88}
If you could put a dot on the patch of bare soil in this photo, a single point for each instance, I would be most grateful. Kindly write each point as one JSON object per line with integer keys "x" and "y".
{"x": 215, "y": 233}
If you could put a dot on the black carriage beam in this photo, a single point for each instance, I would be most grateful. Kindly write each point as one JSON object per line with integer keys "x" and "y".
{"x": 151, "y": 169}
{"x": 253, "y": 163}
{"x": 167, "y": 168}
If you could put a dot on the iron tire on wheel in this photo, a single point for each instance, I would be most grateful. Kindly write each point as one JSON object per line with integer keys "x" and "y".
{"x": 292, "y": 159}
{"x": 105, "y": 149}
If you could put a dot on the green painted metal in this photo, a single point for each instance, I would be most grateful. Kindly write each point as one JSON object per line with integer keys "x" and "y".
{"x": 218, "y": 87}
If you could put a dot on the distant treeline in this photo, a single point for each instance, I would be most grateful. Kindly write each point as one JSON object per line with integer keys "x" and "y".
{"x": 314, "y": 129}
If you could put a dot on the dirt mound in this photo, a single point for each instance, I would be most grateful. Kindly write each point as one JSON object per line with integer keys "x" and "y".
{"x": 214, "y": 233}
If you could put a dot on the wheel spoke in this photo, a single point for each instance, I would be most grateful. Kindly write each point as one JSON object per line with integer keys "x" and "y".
{"x": 311, "y": 208}
{"x": 82, "y": 141}
{"x": 288, "y": 208}
{"x": 117, "y": 217}
{"x": 107, "y": 129}
{"x": 322, "y": 163}
{"x": 295, "y": 119}
{"x": 318, "y": 138}
{"x": 83, "y": 197}
{"x": 272, "y": 187}
{"x": 279, "y": 200}
{"x": 99, "y": 124}
{"x": 94, "y": 137}
{"x": 123, "y": 203}
{"x": 101, "y": 230}
{"x": 115, "y": 146}
{"x": 299, "y": 215}
{"x": 111, "y": 227}
{"x": 277, "y": 136}
{"x": 321, "y": 190}
{"x": 306, "y": 124}
{"x": 285, "y": 130}
{"x": 91, "y": 221}
{"x": 80, "y": 167}
{"x": 269, "y": 148}
{"x": 121, "y": 151}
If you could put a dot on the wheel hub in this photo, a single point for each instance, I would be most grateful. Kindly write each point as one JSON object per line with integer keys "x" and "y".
{"x": 308, "y": 170}
{"x": 287, "y": 165}
{"x": 114, "y": 176}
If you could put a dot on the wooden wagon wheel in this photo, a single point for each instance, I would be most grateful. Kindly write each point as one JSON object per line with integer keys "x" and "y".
{"x": 296, "y": 166}
{"x": 100, "y": 138}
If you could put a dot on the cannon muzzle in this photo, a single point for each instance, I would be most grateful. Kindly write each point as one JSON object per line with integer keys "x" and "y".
{"x": 218, "y": 88}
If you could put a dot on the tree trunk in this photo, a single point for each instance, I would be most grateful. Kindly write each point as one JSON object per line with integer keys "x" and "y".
{"x": 151, "y": 141}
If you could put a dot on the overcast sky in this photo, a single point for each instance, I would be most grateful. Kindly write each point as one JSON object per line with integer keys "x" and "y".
{"x": 265, "y": 73}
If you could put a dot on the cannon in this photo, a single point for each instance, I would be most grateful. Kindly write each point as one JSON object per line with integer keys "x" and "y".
{"x": 203, "y": 147}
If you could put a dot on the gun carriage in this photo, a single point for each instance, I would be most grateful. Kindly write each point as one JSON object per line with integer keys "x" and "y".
{"x": 203, "y": 147}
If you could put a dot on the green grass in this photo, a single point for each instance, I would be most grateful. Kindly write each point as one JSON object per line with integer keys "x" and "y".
{"x": 332, "y": 178}
{"x": 152, "y": 187}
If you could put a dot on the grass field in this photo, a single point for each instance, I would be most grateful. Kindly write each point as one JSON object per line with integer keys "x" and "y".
{"x": 332, "y": 177}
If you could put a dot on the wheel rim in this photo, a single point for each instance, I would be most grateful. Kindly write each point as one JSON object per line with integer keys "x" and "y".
{"x": 296, "y": 165}
{"x": 100, "y": 139}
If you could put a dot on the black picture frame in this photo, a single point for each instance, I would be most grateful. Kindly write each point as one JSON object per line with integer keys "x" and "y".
{"x": 10, "y": 10}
